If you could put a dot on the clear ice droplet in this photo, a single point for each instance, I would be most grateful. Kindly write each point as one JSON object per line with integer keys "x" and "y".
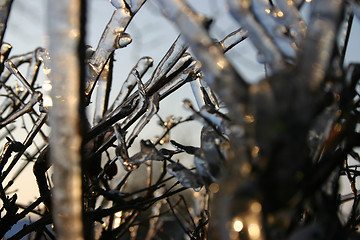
{"x": 260, "y": 58}
{"x": 124, "y": 40}
{"x": 117, "y": 3}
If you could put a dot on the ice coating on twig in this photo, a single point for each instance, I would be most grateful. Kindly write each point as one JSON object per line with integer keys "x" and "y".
{"x": 13, "y": 69}
{"x": 113, "y": 37}
{"x": 135, "y": 5}
{"x": 33, "y": 68}
{"x": 186, "y": 177}
{"x": 108, "y": 43}
{"x": 134, "y": 103}
{"x": 215, "y": 119}
{"x": 189, "y": 74}
{"x": 198, "y": 94}
{"x": 147, "y": 151}
{"x": 267, "y": 16}
{"x": 320, "y": 38}
{"x": 260, "y": 38}
{"x": 5, "y": 6}
{"x": 27, "y": 142}
{"x": 292, "y": 19}
{"x": 36, "y": 97}
{"x": 152, "y": 107}
{"x": 175, "y": 52}
{"x": 103, "y": 91}
{"x": 210, "y": 164}
{"x": 156, "y": 82}
{"x": 355, "y": 6}
{"x": 43, "y": 56}
{"x": 186, "y": 57}
{"x": 203, "y": 93}
{"x": 210, "y": 93}
{"x": 141, "y": 67}
{"x": 4, "y": 54}
{"x": 141, "y": 103}
{"x": 17, "y": 61}
{"x": 233, "y": 39}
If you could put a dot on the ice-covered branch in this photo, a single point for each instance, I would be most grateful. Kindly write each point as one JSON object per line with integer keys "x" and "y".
{"x": 65, "y": 34}
{"x": 113, "y": 37}
{"x": 5, "y": 7}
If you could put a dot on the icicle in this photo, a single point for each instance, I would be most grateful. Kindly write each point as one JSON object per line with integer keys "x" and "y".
{"x": 186, "y": 177}
{"x": 210, "y": 164}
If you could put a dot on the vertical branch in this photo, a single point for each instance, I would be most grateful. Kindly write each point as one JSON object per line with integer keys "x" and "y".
{"x": 103, "y": 90}
{"x": 4, "y": 14}
{"x": 64, "y": 29}
{"x": 5, "y": 48}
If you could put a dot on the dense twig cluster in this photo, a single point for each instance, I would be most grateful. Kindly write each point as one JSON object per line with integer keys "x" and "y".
{"x": 271, "y": 155}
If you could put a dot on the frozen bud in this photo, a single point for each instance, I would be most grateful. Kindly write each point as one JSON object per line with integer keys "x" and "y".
{"x": 144, "y": 63}
{"x": 187, "y": 104}
{"x": 117, "y": 3}
{"x": 5, "y": 50}
{"x": 123, "y": 40}
{"x": 260, "y": 58}
{"x": 89, "y": 51}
